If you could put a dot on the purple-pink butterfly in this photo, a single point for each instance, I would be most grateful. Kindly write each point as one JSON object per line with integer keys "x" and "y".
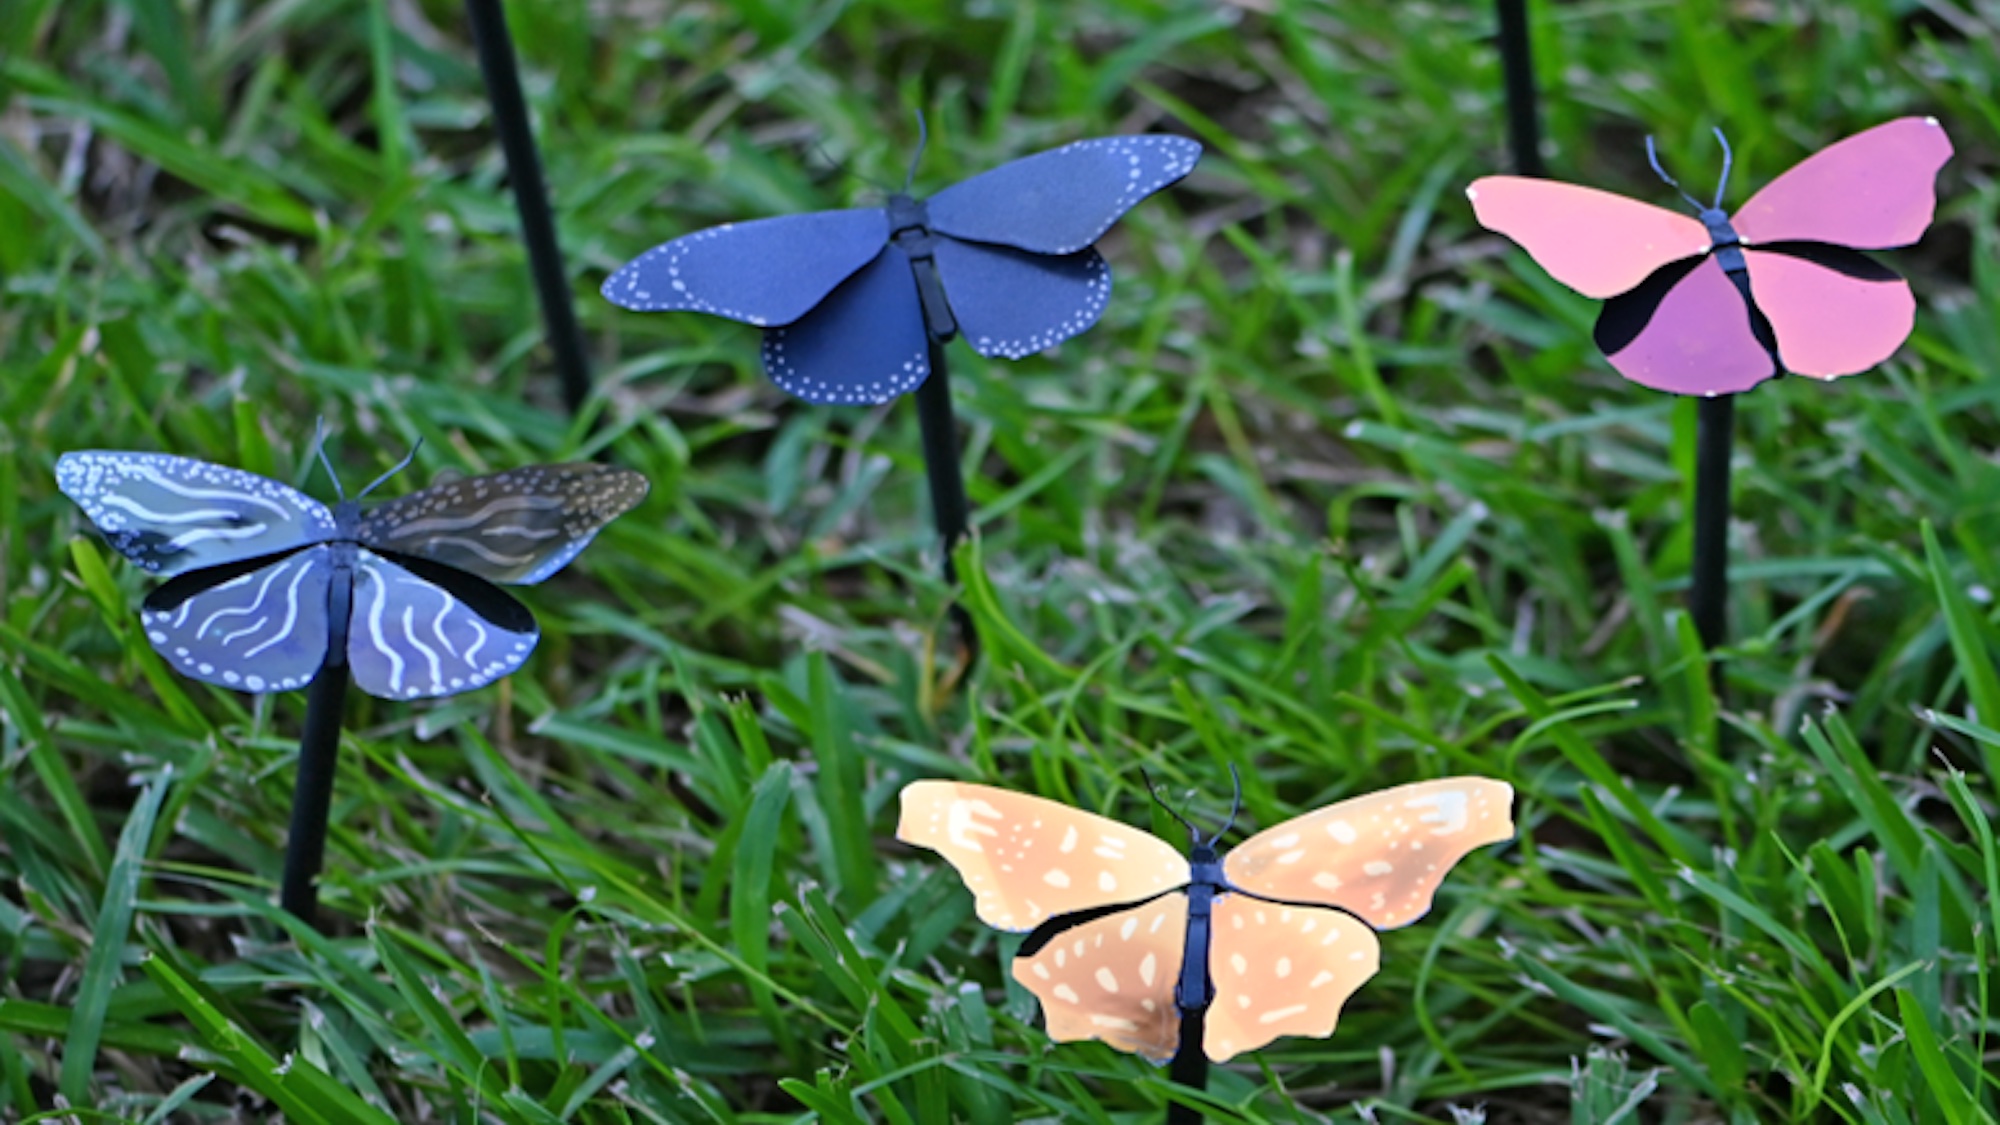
{"x": 1717, "y": 304}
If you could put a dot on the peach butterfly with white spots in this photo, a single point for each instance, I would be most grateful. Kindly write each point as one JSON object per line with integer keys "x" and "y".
{"x": 1290, "y": 935}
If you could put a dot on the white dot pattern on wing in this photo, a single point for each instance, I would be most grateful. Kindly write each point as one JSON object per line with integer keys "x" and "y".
{"x": 1097, "y": 293}
{"x": 623, "y": 287}
{"x": 157, "y": 509}
{"x": 1178, "y": 153}
{"x": 904, "y": 379}
{"x": 1152, "y": 161}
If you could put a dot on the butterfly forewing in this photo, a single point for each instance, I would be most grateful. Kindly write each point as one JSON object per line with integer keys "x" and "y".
{"x": 1010, "y": 303}
{"x": 175, "y": 514}
{"x": 519, "y": 526}
{"x": 1597, "y": 243}
{"x": 1062, "y": 200}
{"x": 1381, "y": 856}
{"x": 1027, "y": 859}
{"x": 1113, "y": 978}
{"x": 423, "y": 630}
{"x": 1281, "y": 970}
{"x": 766, "y": 272}
{"x": 1874, "y": 190}
{"x": 252, "y": 628}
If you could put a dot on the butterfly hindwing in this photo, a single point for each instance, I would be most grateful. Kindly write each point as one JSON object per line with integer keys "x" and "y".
{"x": 1027, "y": 859}
{"x": 1686, "y": 330}
{"x": 1872, "y": 191}
{"x": 175, "y": 514}
{"x": 420, "y": 629}
{"x": 1062, "y": 200}
{"x": 1832, "y": 310}
{"x": 1281, "y": 970}
{"x": 865, "y": 343}
{"x": 1112, "y": 978}
{"x": 257, "y": 626}
{"x": 1597, "y": 243}
{"x": 518, "y": 526}
{"x": 765, "y": 272}
{"x": 1010, "y": 303}
{"x": 1380, "y": 856}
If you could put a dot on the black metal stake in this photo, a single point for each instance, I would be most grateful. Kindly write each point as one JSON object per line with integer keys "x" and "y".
{"x": 312, "y": 796}
{"x": 940, "y": 437}
{"x": 531, "y": 196}
{"x": 1708, "y": 597}
{"x": 1189, "y": 1068}
{"x": 1517, "y": 65}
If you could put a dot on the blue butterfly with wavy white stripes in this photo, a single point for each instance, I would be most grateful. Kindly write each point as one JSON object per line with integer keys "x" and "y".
{"x": 267, "y": 585}
{"x": 850, "y": 300}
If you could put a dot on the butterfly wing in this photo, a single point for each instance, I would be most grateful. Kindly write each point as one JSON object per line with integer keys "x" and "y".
{"x": 1834, "y": 311}
{"x": 1597, "y": 243}
{"x": 865, "y": 343}
{"x": 1687, "y": 330}
{"x": 174, "y": 514}
{"x": 1871, "y": 191}
{"x": 1112, "y": 978}
{"x": 1380, "y": 856}
{"x": 256, "y": 626}
{"x": 1281, "y": 970}
{"x": 420, "y": 629}
{"x": 1062, "y": 200}
{"x": 520, "y": 526}
{"x": 764, "y": 272}
{"x": 1027, "y": 859}
{"x": 1011, "y": 303}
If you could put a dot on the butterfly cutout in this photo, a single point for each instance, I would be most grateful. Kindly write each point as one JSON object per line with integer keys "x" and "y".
{"x": 266, "y": 585}
{"x": 1677, "y": 289}
{"x": 850, "y": 300}
{"x": 1128, "y": 935}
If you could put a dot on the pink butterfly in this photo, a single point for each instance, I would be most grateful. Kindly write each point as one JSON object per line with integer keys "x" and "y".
{"x": 1677, "y": 289}
{"x": 1269, "y": 940}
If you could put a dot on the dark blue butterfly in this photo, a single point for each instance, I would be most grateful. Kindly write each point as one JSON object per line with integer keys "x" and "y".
{"x": 266, "y": 585}
{"x": 850, "y": 299}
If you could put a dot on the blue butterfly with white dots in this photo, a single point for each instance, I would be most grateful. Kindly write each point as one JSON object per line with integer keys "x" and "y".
{"x": 267, "y": 585}
{"x": 850, "y": 301}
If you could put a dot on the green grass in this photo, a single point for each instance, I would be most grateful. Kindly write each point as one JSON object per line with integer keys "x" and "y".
{"x": 1337, "y": 493}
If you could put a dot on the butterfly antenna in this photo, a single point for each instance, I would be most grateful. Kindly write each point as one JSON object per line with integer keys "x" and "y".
{"x": 399, "y": 467}
{"x": 1653, "y": 158}
{"x": 1724, "y": 185}
{"x": 1235, "y": 805}
{"x": 923, "y": 138}
{"x": 1153, "y": 791}
{"x": 319, "y": 450}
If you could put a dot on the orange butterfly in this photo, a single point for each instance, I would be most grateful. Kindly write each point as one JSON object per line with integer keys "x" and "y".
{"x": 1116, "y": 956}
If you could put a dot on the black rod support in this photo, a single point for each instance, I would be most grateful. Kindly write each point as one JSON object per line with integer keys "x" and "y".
{"x": 940, "y": 438}
{"x": 312, "y": 796}
{"x": 1190, "y": 1067}
{"x": 1517, "y": 65}
{"x": 531, "y": 196}
{"x": 1708, "y": 594}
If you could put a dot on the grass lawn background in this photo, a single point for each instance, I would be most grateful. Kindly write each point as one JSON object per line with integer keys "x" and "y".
{"x": 1338, "y": 492}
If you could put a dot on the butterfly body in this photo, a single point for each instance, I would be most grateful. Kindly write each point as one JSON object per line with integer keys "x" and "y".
{"x": 1718, "y": 303}
{"x": 1131, "y": 941}
{"x": 266, "y": 586}
{"x": 851, "y": 301}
